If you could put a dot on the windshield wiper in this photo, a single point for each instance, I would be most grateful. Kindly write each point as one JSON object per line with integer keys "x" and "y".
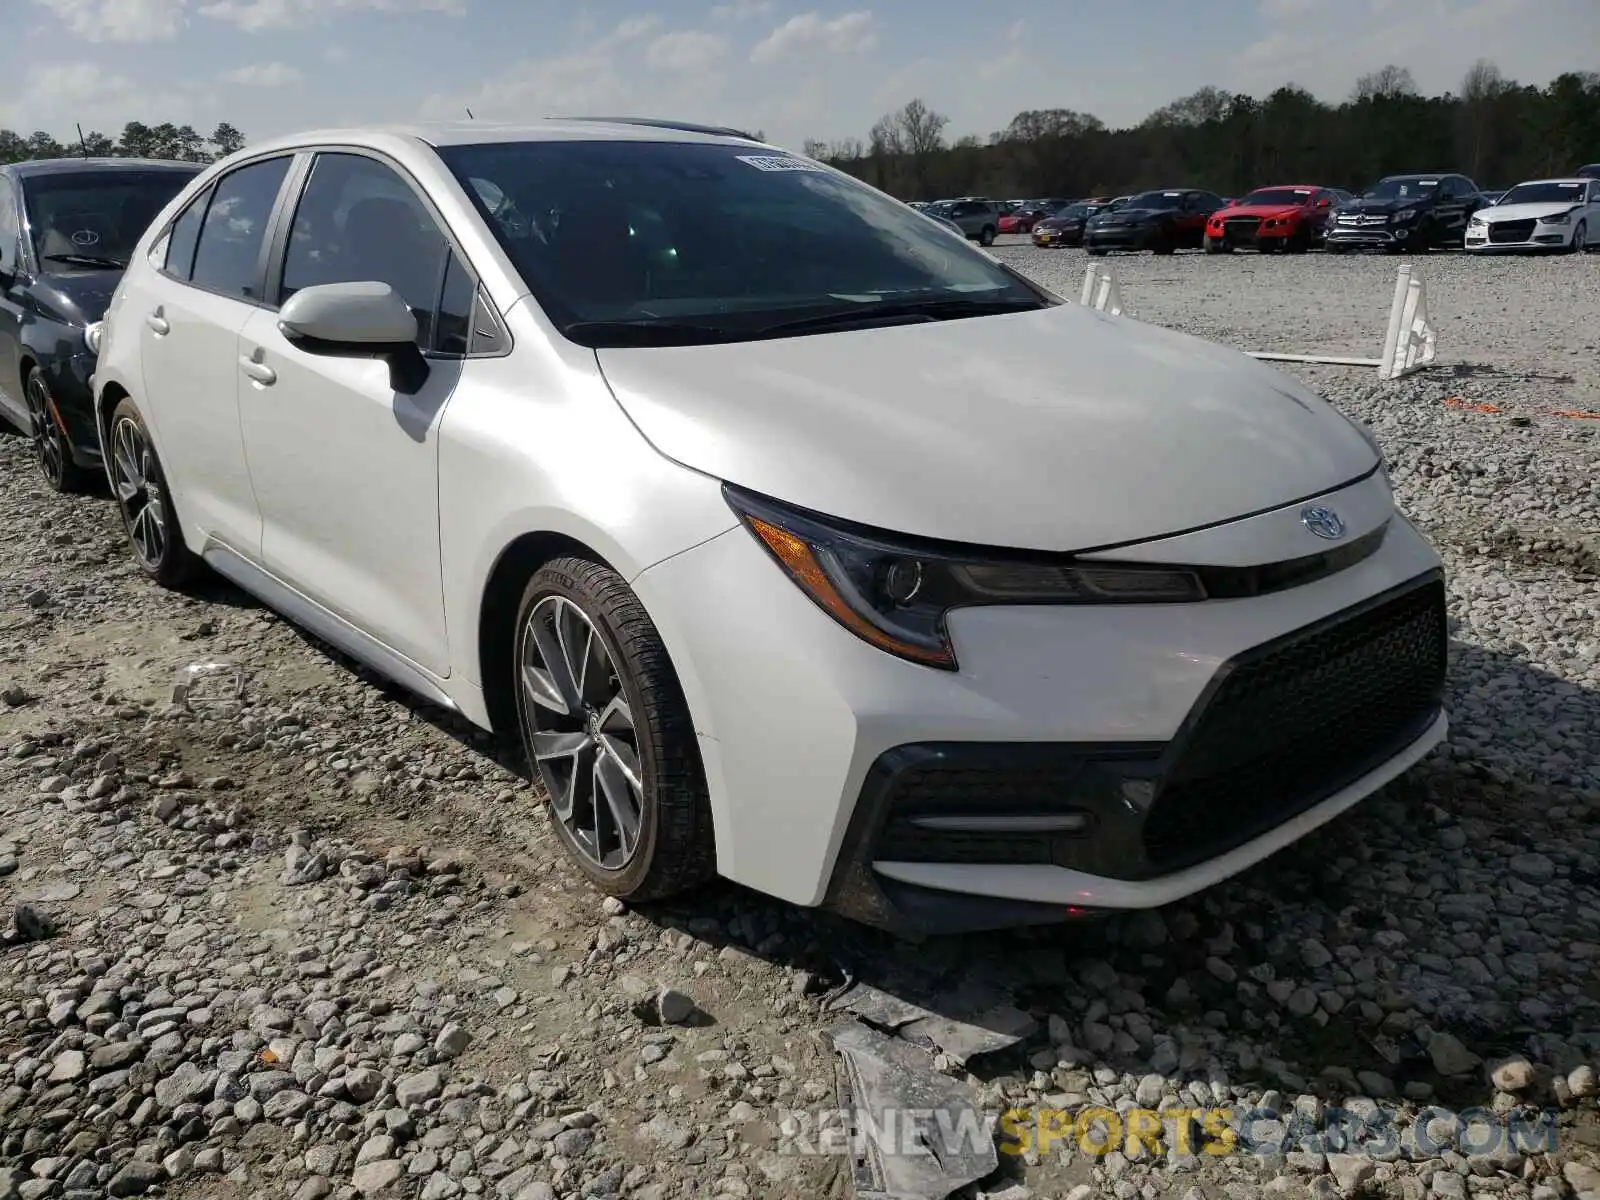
{"x": 646, "y": 332}
{"x": 89, "y": 260}
{"x": 907, "y": 312}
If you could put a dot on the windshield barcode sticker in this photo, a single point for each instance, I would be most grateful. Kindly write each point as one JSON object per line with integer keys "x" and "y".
{"x": 777, "y": 162}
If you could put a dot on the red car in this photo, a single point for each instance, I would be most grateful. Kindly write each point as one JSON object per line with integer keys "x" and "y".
{"x": 1288, "y": 217}
{"x": 1023, "y": 218}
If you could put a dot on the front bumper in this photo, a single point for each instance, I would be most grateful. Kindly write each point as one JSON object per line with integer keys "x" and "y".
{"x": 807, "y": 734}
{"x": 70, "y": 387}
{"x": 1058, "y": 237}
{"x": 1383, "y": 236}
{"x": 1536, "y": 236}
{"x": 1121, "y": 237}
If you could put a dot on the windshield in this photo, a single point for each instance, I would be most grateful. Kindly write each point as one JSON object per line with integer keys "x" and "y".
{"x": 1276, "y": 198}
{"x": 1073, "y": 211}
{"x": 1156, "y": 200}
{"x": 1545, "y": 193}
{"x": 1403, "y": 189}
{"x": 84, "y": 216}
{"x": 726, "y": 240}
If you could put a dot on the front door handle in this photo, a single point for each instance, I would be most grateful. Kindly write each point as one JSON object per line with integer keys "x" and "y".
{"x": 258, "y": 371}
{"x": 159, "y": 324}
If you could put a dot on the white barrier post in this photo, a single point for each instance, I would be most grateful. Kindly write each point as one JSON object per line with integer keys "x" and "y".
{"x": 1100, "y": 290}
{"x": 1410, "y": 342}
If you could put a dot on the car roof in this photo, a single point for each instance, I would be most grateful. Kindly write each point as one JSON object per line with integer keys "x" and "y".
{"x": 549, "y": 129}
{"x": 1294, "y": 187}
{"x": 66, "y": 166}
{"x": 1421, "y": 175}
{"x": 1553, "y": 179}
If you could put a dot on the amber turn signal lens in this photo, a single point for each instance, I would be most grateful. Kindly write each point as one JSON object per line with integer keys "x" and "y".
{"x": 800, "y": 561}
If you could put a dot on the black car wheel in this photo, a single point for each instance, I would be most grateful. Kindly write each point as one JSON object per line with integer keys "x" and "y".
{"x": 144, "y": 500}
{"x": 605, "y": 724}
{"x": 1580, "y": 238}
{"x": 1216, "y": 245}
{"x": 986, "y": 236}
{"x": 51, "y": 448}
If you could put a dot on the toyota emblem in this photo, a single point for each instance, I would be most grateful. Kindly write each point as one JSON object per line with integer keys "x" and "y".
{"x": 1323, "y": 522}
{"x": 85, "y": 237}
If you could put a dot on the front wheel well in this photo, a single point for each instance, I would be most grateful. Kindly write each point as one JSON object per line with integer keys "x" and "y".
{"x": 111, "y": 395}
{"x": 497, "y": 616}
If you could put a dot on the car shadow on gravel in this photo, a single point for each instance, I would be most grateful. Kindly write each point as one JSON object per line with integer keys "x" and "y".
{"x": 1322, "y": 970}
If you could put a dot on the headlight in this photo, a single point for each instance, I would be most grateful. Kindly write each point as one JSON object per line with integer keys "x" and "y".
{"x": 93, "y": 335}
{"x": 1478, "y": 222}
{"x": 1404, "y": 217}
{"x": 895, "y": 593}
{"x": 1559, "y": 219}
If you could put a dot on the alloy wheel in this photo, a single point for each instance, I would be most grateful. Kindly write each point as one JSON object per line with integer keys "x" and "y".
{"x": 138, "y": 492}
{"x": 582, "y": 732}
{"x": 47, "y": 443}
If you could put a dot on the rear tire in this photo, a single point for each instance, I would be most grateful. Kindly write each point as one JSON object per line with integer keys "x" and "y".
{"x": 139, "y": 486}
{"x": 986, "y": 236}
{"x": 1094, "y": 251}
{"x": 52, "y": 449}
{"x": 605, "y": 725}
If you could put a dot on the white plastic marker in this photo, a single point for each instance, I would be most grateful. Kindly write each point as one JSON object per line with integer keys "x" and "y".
{"x": 1410, "y": 342}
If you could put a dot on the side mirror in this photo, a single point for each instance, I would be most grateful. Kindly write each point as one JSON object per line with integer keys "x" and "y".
{"x": 365, "y": 319}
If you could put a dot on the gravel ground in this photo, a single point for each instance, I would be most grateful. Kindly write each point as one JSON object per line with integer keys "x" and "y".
{"x": 318, "y": 942}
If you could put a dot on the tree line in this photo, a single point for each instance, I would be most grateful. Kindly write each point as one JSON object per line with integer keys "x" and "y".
{"x": 1492, "y": 129}
{"x": 138, "y": 140}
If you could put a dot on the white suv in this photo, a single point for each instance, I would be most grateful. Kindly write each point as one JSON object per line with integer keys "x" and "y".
{"x": 797, "y": 540}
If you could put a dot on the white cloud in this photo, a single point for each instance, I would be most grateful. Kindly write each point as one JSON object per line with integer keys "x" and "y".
{"x": 120, "y": 20}
{"x": 253, "y": 16}
{"x": 272, "y": 74}
{"x": 741, "y": 10}
{"x": 686, "y": 52}
{"x": 55, "y": 95}
{"x": 850, "y": 33}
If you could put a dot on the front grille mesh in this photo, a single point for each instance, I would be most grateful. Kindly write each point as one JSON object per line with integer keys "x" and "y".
{"x": 1511, "y": 231}
{"x": 1290, "y": 728}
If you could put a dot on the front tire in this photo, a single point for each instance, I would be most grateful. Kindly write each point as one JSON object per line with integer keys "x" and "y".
{"x": 52, "y": 450}
{"x": 145, "y": 501}
{"x": 1216, "y": 245}
{"x": 604, "y": 722}
{"x": 986, "y": 236}
{"x": 1580, "y": 238}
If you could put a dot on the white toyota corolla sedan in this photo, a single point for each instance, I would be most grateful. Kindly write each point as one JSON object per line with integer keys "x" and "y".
{"x": 1543, "y": 214}
{"x": 797, "y": 541}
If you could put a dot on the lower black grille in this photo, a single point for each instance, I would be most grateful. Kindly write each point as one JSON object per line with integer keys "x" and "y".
{"x": 1290, "y": 725}
{"x": 1242, "y": 229}
{"x": 1510, "y": 231}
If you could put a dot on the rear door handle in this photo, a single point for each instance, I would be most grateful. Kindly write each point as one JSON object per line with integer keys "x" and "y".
{"x": 258, "y": 371}
{"x": 159, "y": 324}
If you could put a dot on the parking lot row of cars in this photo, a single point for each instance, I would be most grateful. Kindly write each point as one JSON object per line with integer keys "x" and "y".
{"x": 1400, "y": 213}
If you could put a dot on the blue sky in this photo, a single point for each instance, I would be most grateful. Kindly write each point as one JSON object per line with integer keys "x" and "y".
{"x": 784, "y": 66}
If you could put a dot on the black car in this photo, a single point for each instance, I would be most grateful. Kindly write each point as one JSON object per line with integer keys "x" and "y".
{"x": 1065, "y": 227}
{"x": 1163, "y": 220}
{"x": 1407, "y": 213}
{"x": 1588, "y": 171}
{"x": 67, "y": 227}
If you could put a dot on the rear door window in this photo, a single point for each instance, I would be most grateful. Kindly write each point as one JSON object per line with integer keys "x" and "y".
{"x": 228, "y": 259}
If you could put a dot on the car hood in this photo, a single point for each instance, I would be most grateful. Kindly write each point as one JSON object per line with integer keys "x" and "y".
{"x": 1060, "y": 223}
{"x": 1522, "y": 212}
{"x": 1382, "y": 206}
{"x": 1134, "y": 214}
{"x": 76, "y": 297}
{"x": 1057, "y": 429}
{"x": 1261, "y": 210}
